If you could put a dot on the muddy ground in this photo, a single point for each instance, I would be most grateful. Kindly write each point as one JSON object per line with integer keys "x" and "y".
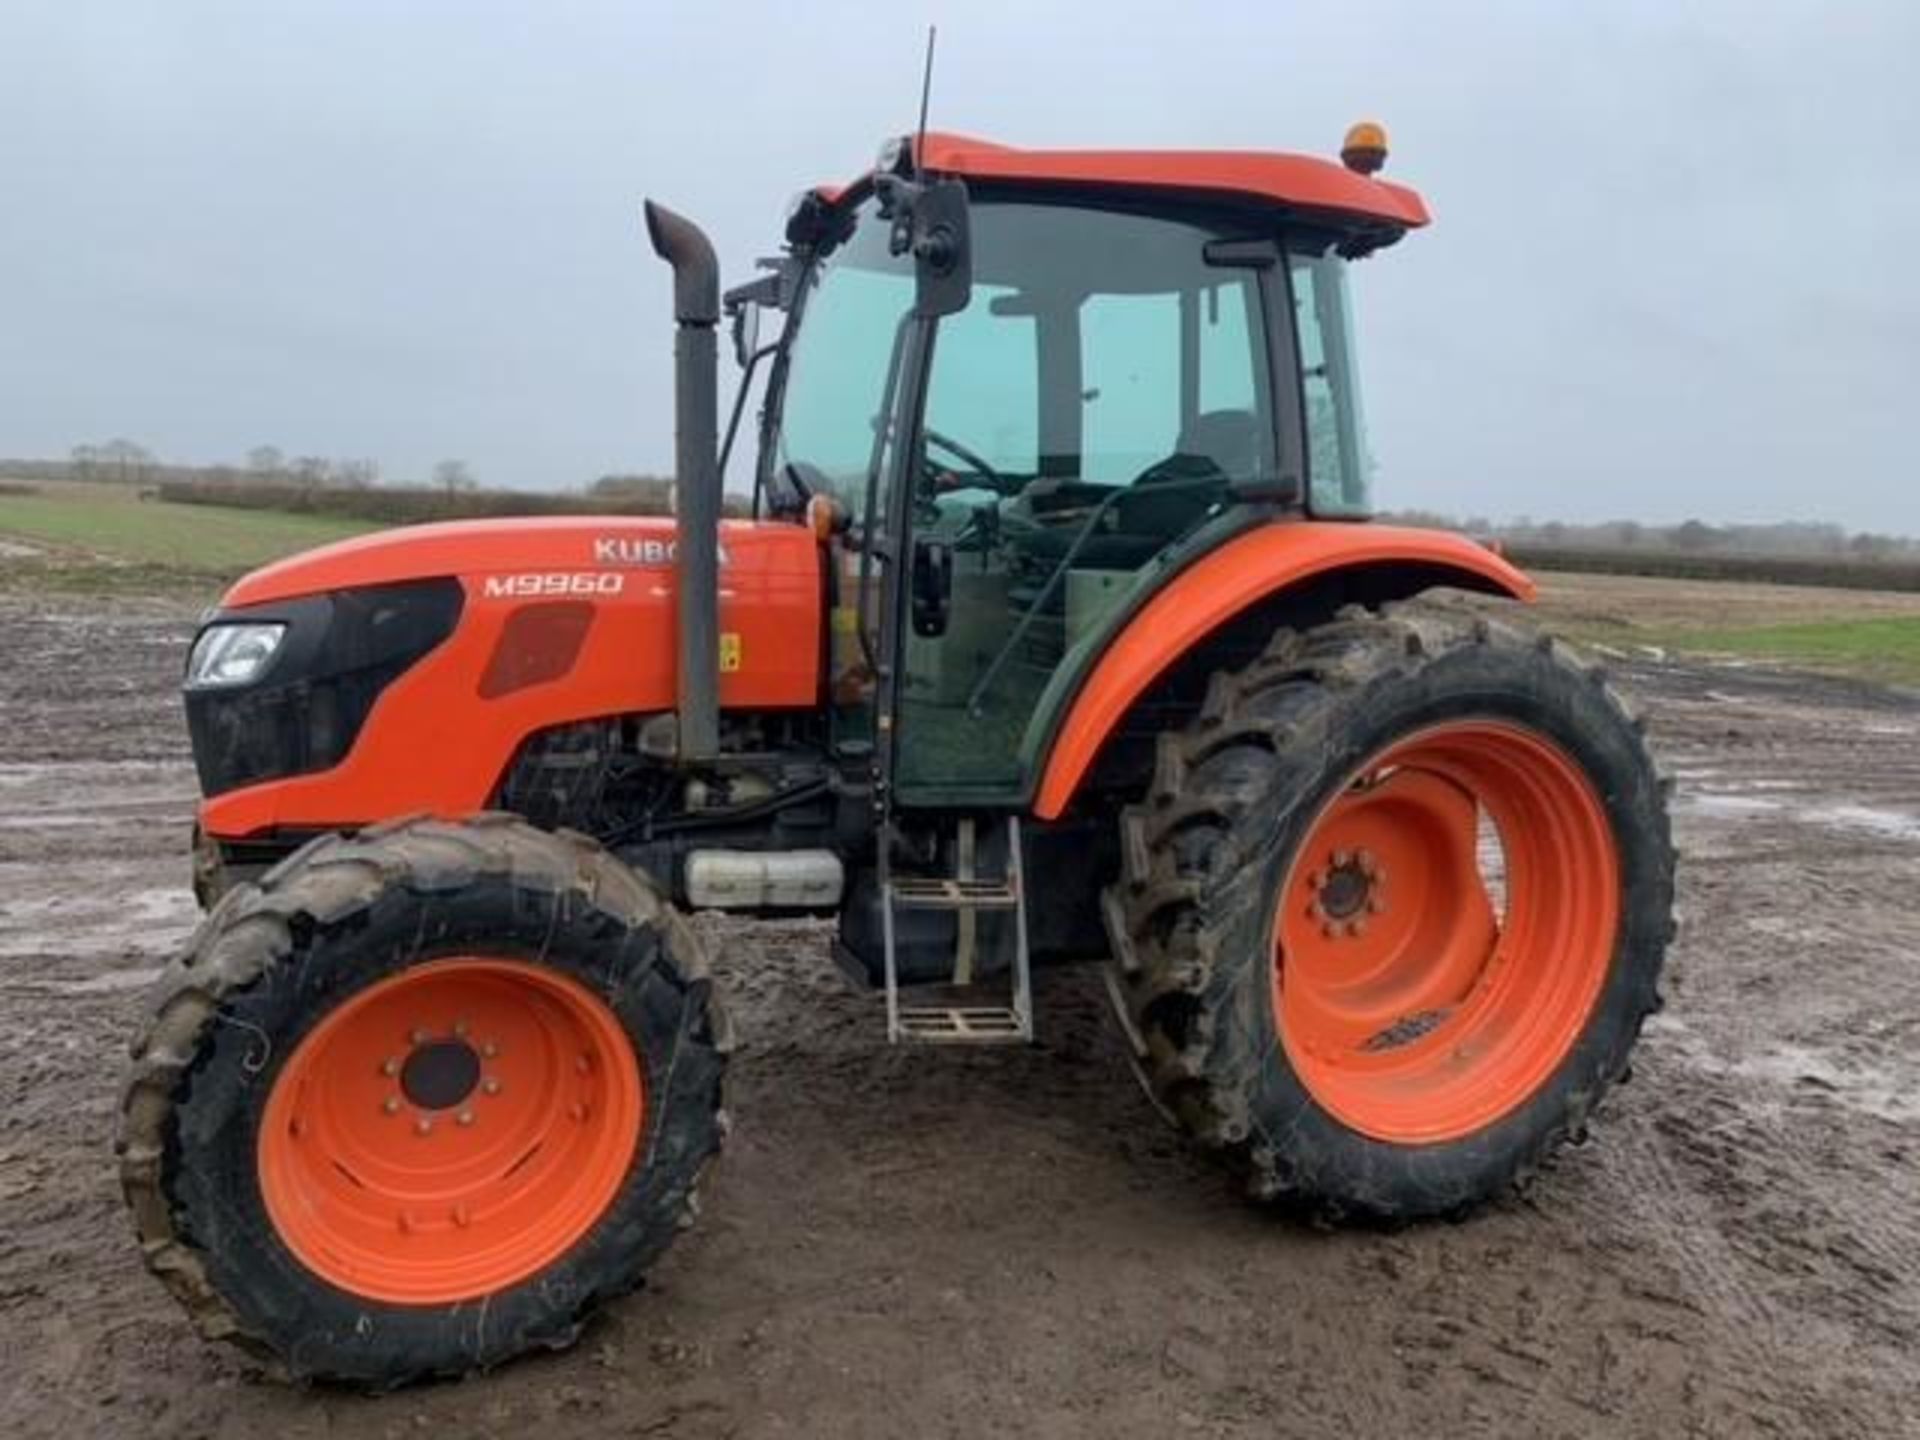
{"x": 1005, "y": 1242}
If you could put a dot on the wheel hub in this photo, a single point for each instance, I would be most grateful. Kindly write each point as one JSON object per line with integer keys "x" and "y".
{"x": 1347, "y": 891}
{"x": 440, "y": 1074}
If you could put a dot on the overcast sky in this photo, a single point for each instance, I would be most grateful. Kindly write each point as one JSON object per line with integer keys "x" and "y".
{"x": 1675, "y": 268}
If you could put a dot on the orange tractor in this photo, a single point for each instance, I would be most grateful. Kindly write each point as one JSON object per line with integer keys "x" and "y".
{"x": 1058, "y": 632}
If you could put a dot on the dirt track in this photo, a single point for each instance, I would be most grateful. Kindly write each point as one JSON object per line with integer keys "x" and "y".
{"x": 977, "y": 1244}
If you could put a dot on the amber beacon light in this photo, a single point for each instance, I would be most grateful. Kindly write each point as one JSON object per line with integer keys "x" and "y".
{"x": 1364, "y": 151}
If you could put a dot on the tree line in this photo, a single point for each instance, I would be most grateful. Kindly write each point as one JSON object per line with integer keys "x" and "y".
{"x": 127, "y": 462}
{"x": 1791, "y": 539}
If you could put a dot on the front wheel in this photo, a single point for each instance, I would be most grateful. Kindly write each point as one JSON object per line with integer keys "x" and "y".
{"x": 421, "y": 1099}
{"x": 1395, "y": 910}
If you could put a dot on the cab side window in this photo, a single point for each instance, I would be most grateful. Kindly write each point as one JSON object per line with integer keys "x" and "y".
{"x": 1130, "y": 372}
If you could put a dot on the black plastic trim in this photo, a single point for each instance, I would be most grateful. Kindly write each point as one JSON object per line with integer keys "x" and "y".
{"x": 341, "y": 650}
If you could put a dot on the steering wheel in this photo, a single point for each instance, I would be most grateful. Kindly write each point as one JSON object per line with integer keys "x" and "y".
{"x": 979, "y": 469}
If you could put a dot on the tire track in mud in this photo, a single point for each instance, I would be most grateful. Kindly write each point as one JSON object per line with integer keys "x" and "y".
{"x": 1777, "y": 1029}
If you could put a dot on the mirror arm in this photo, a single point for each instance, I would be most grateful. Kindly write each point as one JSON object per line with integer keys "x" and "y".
{"x": 740, "y": 402}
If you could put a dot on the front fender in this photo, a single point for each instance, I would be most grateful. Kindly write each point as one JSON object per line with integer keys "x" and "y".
{"x": 1244, "y": 572}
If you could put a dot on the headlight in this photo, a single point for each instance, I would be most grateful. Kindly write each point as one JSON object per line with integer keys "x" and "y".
{"x": 227, "y": 655}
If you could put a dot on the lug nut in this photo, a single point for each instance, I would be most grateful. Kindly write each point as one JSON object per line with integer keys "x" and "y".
{"x": 489, "y": 1049}
{"x": 465, "y": 1117}
{"x": 1342, "y": 859}
{"x": 1368, "y": 865}
{"x": 391, "y": 1105}
{"x": 490, "y": 1085}
{"x": 390, "y": 1067}
{"x": 1356, "y": 927}
{"x": 1375, "y": 905}
{"x": 418, "y": 1036}
{"x": 459, "y": 1029}
{"x": 1317, "y": 880}
{"x": 423, "y": 1126}
{"x": 1331, "y": 930}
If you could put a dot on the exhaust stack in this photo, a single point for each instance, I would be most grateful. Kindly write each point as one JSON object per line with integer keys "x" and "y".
{"x": 696, "y": 487}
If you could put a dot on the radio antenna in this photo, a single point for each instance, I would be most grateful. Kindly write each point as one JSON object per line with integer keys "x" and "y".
{"x": 926, "y": 92}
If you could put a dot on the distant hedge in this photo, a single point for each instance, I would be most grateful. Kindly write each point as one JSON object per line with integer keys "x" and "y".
{"x": 392, "y": 506}
{"x": 1768, "y": 569}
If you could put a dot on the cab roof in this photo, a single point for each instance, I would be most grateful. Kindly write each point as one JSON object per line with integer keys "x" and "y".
{"x": 1298, "y": 182}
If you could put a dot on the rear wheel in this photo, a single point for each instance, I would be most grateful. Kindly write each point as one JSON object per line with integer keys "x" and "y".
{"x": 1395, "y": 911}
{"x": 422, "y": 1099}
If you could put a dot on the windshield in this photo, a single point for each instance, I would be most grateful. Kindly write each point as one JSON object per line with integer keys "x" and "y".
{"x": 851, "y": 322}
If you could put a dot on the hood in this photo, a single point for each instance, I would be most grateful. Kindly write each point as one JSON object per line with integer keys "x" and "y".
{"x": 474, "y": 549}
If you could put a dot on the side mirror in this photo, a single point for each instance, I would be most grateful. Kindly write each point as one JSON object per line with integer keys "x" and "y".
{"x": 932, "y": 586}
{"x": 942, "y": 250}
{"x": 746, "y": 332}
{"x": 929, "y": 222}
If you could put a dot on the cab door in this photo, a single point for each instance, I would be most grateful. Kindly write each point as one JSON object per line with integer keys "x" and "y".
{"x": 1088, "y": 410}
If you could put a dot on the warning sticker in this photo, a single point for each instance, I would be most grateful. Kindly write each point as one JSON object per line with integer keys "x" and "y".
{"x": 729, "y": 651}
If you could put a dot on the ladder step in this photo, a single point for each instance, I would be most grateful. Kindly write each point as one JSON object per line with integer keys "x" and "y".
{"x": 965, "y": 894}
{"x": 961, "y": 1024}
{"x": 947, "y": 893}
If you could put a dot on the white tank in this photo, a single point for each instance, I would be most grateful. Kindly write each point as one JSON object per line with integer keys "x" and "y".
{"x": 764, "y": 879}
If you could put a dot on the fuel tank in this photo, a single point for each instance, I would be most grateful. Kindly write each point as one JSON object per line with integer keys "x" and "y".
{"x": 416, "y": 661}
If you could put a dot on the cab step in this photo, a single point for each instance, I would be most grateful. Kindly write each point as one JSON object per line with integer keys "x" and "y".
{"x": 968, "y": 895}
{"x": 962, "y": 1025}
{"x": 939, "y": 893}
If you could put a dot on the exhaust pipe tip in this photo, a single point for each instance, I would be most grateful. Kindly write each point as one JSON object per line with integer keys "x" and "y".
{"x": 696, "y": 306}
{"x": 696, "y": 272}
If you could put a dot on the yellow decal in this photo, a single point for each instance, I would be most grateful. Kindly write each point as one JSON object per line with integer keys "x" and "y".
{"x": 729, "y": 651}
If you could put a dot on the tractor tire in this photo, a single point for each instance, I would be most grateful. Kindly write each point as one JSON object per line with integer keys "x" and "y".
{"x": 421, "y": 1100}
{"x": 1393, "y": 911}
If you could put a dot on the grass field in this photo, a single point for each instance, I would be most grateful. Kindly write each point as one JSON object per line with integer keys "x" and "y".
{"x": 1867, "y": 633}
{"x": 1886, "y": 648}
{"x": 110, "y": 524}
{"x": 78, "y": 538}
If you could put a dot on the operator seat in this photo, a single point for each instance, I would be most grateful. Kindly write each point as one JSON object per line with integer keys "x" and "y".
{"x": 1218, "y": 446}
{"x": 1229, "y": 438}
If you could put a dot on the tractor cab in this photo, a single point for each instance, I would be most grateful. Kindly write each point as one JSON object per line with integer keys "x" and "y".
{"x": 1026, "y": 423}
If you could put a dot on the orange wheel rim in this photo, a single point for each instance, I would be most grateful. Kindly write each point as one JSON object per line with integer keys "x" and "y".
{"x": 450, "y": 1131}
{"x": 1445, "y": 932}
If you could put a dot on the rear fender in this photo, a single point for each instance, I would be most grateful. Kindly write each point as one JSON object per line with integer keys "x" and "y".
{"x": 1256, "y": 569}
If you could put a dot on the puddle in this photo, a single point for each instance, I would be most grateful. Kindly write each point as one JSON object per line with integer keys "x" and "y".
{"x": 111, "y": 982}
{"x": 27, "y": 772}
{"x": 1868, "y": 1089}
{"x": 1890, "y": 824}
{"x": 140, "y": 921}
{"x": 1862, "y": 819}
{"x": 1719, "y": 806}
